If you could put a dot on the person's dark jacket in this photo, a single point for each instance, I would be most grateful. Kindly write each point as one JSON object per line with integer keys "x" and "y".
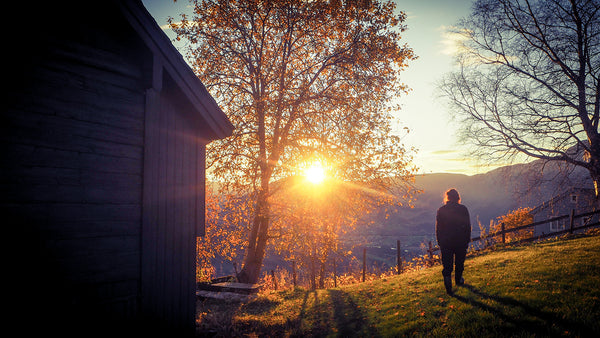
{"x": 453, "y": 225}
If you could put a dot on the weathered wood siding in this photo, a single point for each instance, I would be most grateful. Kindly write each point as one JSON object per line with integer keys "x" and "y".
{"x": 102, "y": 177}
{"x": 173, "y": 206}
{"x": 73, "y": 175}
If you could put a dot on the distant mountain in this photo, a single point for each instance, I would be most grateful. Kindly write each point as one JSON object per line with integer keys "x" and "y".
{"x": 487, "y": 196}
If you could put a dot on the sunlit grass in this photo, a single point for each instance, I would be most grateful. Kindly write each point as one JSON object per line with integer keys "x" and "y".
{"x": 547, "y": 289}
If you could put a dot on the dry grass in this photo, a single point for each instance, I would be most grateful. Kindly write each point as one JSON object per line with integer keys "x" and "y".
{"x": 544, "y": 289}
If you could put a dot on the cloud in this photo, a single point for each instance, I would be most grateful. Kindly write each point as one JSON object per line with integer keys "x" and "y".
{"x": 443, "y": 152}
{"x": 410, "y": 15}
{"x": 189, "y": 23}
{"x": 453, "y": 40}
{"x": 459, "y": 159}
{"x": 458, "y": 171}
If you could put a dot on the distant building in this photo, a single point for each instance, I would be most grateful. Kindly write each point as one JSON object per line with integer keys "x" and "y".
{"x": 579, "y": 199}
{"x": 104, "y": 128}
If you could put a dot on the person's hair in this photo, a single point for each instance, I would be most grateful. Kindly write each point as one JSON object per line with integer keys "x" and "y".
{"x": 451, "y": 196}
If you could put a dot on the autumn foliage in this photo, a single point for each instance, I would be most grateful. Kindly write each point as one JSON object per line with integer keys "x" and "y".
{"x": 514, "y": 219}
{"x": 225, "y": 231}
{"x": 301, "y": 81}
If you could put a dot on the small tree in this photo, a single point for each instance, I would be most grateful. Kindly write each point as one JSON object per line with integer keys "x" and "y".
{"x": 514, "y": 219}
{"x": 310, "y": 220}
{"x": 225, "y": 215}
{"x": 484, "y": 232}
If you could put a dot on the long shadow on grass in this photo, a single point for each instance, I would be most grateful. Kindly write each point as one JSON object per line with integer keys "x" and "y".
{"x": 258, "y": 322}
{"x": 350, "y": 320}
{"x": 542, "y": 322}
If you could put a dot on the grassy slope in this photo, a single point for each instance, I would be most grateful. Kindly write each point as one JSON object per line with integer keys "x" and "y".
{"x": 551, "y": 288}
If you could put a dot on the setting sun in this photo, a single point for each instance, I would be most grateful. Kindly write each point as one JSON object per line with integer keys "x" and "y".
{"x": 315, "y": 173}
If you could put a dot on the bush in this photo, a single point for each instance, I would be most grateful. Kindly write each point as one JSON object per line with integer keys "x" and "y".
{"x": 515, "y": 219}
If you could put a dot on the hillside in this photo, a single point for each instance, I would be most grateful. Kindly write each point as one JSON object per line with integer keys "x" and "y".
{"x": 487, "y": 196}
{"x": 545, "y": 289}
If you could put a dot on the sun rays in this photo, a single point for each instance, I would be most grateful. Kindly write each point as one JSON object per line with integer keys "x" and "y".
{"x": 315, "y": 173}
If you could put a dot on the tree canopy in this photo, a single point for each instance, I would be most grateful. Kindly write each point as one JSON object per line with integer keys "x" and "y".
{"x": 302, "y": 81}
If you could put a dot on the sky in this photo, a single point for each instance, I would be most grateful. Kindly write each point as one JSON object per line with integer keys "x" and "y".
{"x": 432, "y": 131}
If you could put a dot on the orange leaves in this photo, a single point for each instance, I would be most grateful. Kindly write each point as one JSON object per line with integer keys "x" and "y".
{"x": 300, "y": 78}
{"x": 225, "y": 230}
{"x": 515, "y": 219}
{"x": 318, "y": 77}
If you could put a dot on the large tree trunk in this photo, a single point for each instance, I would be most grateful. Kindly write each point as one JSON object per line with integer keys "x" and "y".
{"x": 257, "y": 242}
{"x": 594, "y": 162}
{"x": 255, "y": 252}
{"x": 594, "y": 170}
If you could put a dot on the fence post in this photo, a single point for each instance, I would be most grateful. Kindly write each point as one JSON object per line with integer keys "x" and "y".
{"x": 334, "y": 274}
{"x": 503, "y": 233}
{"x": 294, "y": 272}
{"x": 313, "y": 281}
{"x": 364, "y": 263}
{"x": 399, "y": 258}
{"x": 572, "y": 221}
{"x": 274, "y": 280}
{"x": 322, "y": 276}
{"x": 430, "y": 253}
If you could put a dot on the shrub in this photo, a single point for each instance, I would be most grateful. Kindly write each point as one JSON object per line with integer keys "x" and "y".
{"x": 514, "y": 219}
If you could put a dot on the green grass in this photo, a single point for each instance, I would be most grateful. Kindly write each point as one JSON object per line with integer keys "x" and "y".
{"x": 546, "y": 289}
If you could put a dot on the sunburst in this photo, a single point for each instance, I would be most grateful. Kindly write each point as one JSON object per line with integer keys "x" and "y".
{"x": 315, "y": 173}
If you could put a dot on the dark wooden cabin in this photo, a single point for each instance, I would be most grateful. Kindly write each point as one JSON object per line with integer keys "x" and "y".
{"x": 104, "y": 128}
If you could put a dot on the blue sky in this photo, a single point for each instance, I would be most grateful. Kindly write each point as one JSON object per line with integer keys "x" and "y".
{"x": 431, "y": 129}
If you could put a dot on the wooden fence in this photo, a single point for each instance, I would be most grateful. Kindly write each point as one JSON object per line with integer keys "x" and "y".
{"x": 503, "y": 231}
{"x": 489, "y": 239}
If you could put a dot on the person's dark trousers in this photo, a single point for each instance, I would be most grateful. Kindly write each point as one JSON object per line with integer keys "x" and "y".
{"x": 453, "y": 256}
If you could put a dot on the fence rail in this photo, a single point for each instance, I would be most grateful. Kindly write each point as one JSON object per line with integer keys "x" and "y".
{"x": 572, "y": 216}
{"x": 431, "y": 249}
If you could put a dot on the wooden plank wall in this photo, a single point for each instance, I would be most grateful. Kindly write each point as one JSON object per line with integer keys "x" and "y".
{"x": 103, "y": 199}
{"x": 72, "y": 147}
{"x": 173, "y": 208}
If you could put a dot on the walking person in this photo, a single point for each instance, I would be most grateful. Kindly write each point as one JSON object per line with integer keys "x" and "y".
{"x": 453, "y": 232}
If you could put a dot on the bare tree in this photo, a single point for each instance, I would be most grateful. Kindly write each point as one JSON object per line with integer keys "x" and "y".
{"x": 528, "y": 81}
